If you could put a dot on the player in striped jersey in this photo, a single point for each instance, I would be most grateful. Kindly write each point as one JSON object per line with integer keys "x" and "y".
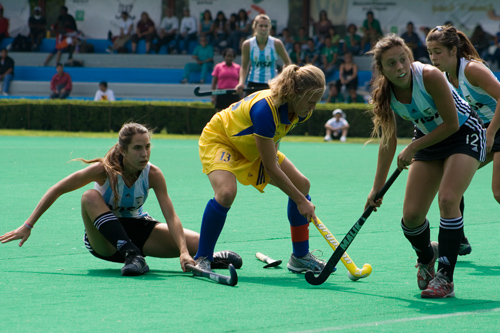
{"x": 451, "y": 51}
{"x": 259, "y": 55}
{"x": 116, "y": 227}
{"x": 448, "y": 146}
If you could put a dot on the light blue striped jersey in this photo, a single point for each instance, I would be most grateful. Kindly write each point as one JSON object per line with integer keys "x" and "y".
{"x": 478, "y": 99}
{"x": 422, "y": 111}
{"x": 262, "y": 62}
{"x": 130, "y": 200}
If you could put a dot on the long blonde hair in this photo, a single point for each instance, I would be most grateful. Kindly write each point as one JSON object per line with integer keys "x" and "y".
{"x": 113, "y": 160}
{"x": 296, "y": 81}
{"x": 449, "y": 36}
{"x": 382, "y": 115}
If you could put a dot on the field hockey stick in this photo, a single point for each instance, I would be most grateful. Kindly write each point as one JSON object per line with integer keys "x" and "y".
{"x": 231, "y": 280}
{"x": 354, "y": 273}
{"x": 197, "y": 92}
{"x": 269, "y": 261}
{"x": 339, "y": 252}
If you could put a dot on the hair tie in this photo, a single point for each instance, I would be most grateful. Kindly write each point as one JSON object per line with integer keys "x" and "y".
{"x": 439, "y": 28}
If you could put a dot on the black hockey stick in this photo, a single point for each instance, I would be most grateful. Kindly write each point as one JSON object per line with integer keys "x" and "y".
{"x": 197, "y": 92}
{"x": 344, "y": 244}
{"x": 231, "y": 280}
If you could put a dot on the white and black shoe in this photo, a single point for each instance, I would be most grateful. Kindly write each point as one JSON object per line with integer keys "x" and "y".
{"x": 134, "y": 265}
{"x": 222, "y": 259}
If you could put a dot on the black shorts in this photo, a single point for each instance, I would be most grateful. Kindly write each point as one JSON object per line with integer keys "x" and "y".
{"x": 138, "y": 230}
{"x": 496, "y": 143}
{"x": 223, "y": 101}
{"x": 467, "y": 140}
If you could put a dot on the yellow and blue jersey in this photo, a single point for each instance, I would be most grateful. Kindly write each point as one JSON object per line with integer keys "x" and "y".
{"x": 228, "y": 140}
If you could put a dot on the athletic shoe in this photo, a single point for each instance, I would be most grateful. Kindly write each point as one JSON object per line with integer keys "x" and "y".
{"x": 342, "y": 138}
{"x": 328, "y": 138}
{"x": 426, "y": 272}
{"x": 204, "y": 264}
{"x": 134, "y": 265}
{"x": 439, "y": 287}
{"x": 222, "y": 259}
{"x": 465, "y": 247}
{"x": 306, "y": 263}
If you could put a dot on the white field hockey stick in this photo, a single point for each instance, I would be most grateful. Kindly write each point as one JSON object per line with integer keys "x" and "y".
{"x": 231, "y": 280}
{"x": 269, "y": 261}
{"x": 354, "y": 273}
{"x": 197, "y": 92}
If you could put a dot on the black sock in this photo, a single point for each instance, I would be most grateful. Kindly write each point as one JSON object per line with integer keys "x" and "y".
{"x": 420, "y": 240}
{"x": 462, "y": 207}
{"x": 450, "y": 235}
{"x": 109, "y": 226}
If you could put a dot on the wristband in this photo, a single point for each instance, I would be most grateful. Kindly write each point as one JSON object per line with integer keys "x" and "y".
{"x": 29, "y": 226}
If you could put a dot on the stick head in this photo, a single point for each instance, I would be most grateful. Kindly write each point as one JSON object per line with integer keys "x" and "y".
{"x": 273, "y": 264}
{"x": 361, "y": 273}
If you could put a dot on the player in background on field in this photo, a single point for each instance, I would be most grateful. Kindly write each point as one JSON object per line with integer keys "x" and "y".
{"x": 240, "y": 143}
{"x": 447, "y": 148}
{"x": 259, "y": 56}
{"x": 117, "y": 228}
{"x": 451, "y": 51}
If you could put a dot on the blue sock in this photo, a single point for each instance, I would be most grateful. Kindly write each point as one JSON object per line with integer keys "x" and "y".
{"x": 211, "y": 227}
{"x": 299, "y": 227}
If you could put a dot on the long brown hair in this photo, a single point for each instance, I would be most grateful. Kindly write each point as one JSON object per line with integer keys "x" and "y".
{"x": 382, "y": 115}
{"x": 113, "y": 160}
{"x": 296, "y": 81}
{"x": 449, "y": 36}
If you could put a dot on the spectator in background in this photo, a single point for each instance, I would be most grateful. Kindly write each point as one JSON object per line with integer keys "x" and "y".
{"x": 243, "y": 29}
{"x": 205, "y": 27}
{"x": 126, "y": 29}
{"x": 352, "y": 41}
{"x": 302, "y": 38}
{"x": 187, "y": 32}
{"x": 481, "y": 41}
{"x": 168, "y": 30}
{"x": 334, "y": 36}
{"x": 337, "y": 126}
{"x": 225, "y": 75}
{"x": 38, "y": 25}
{"x": 298, "y": 56}
{"x": 329, "y": 57}
{"x": 354, "y": 97}
{"x": 66, "y": 36}
{"x": 287, "y": 39}
{"x": 312, "y": 54}
{"x": 103, "y": 93}
{"x": 348, "y": 74}
{"x": 61, "y": 83}
{"x": 6, "y": 71}
{"x": 372, "y": 31}
{"x": 145, "y": 30}
{"x": 495, "y": 54}
{"x": 204, "y": 56}
{"x": 333, "y": 94}
{"x": 412, "y": 40}
{"x": 220, "y": 31}
{"x": 4, "y": 26}
{"x": 322, "y": 25}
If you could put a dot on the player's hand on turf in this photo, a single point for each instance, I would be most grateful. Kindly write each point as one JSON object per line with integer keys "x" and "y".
{"x": 185, "y": 258}
{"x": 405, "y": 158}
{"x": 21, "y": 233}
{"x": 371, "y": 200}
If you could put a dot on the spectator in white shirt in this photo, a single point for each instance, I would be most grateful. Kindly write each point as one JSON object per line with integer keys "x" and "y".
{"x": 168, "y": 30}
{"x": 337, "y": 127}
{"x": 126, "y": 28}
{"x": 104, "y": 94}
{"x": 187, "y": 32}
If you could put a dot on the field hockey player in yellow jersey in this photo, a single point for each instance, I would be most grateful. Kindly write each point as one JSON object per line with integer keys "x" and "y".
{"x": 240, "y": 143}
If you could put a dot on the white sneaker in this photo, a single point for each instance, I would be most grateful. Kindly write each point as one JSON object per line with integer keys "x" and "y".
{"x": 305, "y": 263}
{"x": 342, "y": 139}
{"x": 5, "y": 94}
{"x": 328, "y": 138}
{"x": 204, "y": 264}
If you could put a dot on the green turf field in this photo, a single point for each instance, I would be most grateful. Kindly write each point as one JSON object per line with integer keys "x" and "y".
{"x": 52, "y": 283}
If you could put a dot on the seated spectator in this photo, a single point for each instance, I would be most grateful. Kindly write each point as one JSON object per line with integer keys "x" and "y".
{"x": 126, "y": 29}
{"x": 61, "y": 83}
{"x": 302, "y": 38}
{"x": 412, "y": 40}
{"x": 337, "y": 127}
{"x": 334, "y": 36}
{"x": 333, "y": 95}
{"x": 298, "y": 56}
{"x": 145, "y": 30}
{"x": 372, "y": 31}
{"x": 66, "y": 35}
{"x": 187, "y": 32}
{"x": 243, "y": 29}
{"x": 481, "y": 41}
{"x": 206, "y": 28}
{"x": 104, "y": 93}
{"x": 494, "y": 57}
{"x": 352, "y": 41}
{"x": 322, "y": 25}
{"x": 204, "y": 56}
{"x": 311, "y": 53}
{"x": 4, "y": 26}
{"x": 168, "y": 30}
{"x": 38, "y": 25}
{"x": 220, "y": 31}
{"x": 6, "y": 71}
{"x": 329, "y": 57}
{"x": 225, "y": 75}
{"x": 354, "y": 97}
{"x": 348, "y": 74}
{"x": 287, "y": 39}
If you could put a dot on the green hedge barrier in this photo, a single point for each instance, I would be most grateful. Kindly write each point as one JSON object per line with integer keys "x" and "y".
{"x": 169, "y": 117}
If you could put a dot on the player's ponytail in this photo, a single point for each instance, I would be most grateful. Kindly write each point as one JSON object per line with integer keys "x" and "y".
{"x": 450, "y": 37}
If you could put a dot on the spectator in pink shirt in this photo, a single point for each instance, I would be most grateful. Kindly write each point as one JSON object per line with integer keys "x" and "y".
{"x": 225, "y": 76}
{"x": 60, "y": 83}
